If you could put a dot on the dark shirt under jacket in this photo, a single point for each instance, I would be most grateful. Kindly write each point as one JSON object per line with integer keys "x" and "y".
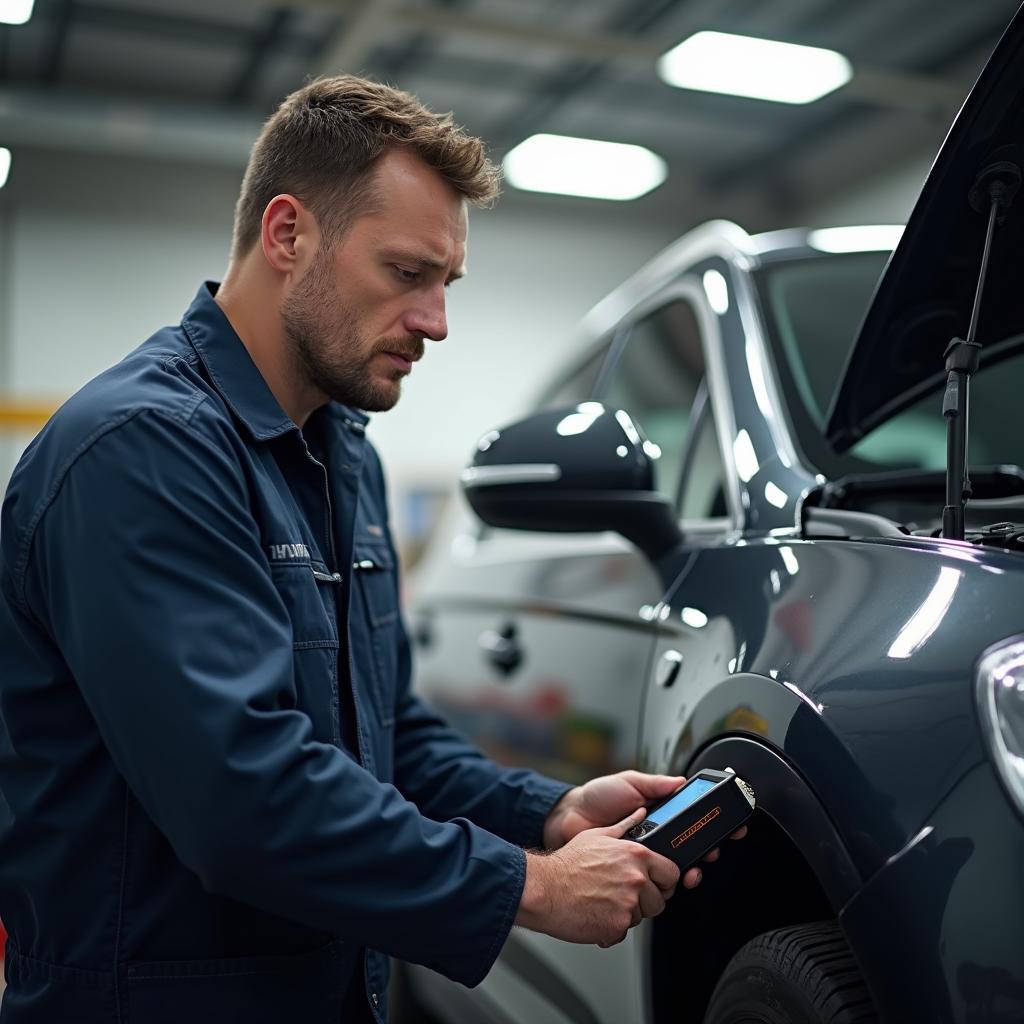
{"x": 220, "y": 799}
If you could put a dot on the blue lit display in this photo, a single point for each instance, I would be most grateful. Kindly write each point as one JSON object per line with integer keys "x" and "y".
{"x": 687, "y": 795}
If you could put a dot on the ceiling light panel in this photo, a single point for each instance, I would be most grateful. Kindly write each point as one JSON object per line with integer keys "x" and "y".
{"x": 756, "y": 68}
{"x": 856, "y": 238}
{"x": 15, "y": 12}
{"x": 5, "y": 165}
{"x": 569, "y": 166}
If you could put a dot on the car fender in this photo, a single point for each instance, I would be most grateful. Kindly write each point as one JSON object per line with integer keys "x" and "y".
{"x": 783, "y": 795}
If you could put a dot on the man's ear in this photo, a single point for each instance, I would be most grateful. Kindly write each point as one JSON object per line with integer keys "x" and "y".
{"x": 289, "y": 235}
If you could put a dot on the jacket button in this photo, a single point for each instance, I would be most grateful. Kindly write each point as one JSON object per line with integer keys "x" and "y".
{"x": 373, "y": 996}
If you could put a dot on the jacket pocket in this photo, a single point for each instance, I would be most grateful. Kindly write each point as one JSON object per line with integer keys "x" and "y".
{"x": 309, "y": 597}
{"x": 376, "y": 589}
{"x": 307, "y": 987}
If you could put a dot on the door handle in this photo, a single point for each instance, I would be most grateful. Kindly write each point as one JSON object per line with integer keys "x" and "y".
{"x": 502, "y": 648}
{"x": 668, "y": 668}
{"x": 423, "y": 632}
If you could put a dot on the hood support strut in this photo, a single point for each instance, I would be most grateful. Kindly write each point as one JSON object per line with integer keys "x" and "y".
{"x": 995, "y": 187}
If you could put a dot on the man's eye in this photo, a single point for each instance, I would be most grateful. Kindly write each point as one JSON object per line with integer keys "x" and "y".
{"x": 407, "y": 275}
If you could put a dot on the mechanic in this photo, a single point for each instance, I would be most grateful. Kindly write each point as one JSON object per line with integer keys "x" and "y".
{"x": 221, "y": 801}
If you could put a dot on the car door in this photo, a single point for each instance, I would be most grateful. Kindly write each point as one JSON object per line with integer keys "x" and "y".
{"x": 539, "y": 647}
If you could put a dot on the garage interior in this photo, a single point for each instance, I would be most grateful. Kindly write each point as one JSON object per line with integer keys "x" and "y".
{"x": 125, "y": 127}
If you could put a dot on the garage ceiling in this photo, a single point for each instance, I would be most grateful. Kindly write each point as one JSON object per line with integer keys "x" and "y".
{"x": 193, "y": 79}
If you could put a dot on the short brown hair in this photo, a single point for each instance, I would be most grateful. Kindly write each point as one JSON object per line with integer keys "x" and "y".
{"x": 322, "y": 141}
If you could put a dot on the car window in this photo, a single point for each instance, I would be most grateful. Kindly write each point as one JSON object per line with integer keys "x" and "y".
{"x": 813, "y": 307}
{"x": 578, "y": 385}
{"x": 704, "y": 485}
{"x": 655, "y": 379}
{"x": 916, "y": 437}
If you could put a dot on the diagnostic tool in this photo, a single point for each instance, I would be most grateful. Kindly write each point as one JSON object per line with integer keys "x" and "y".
{"x": 696, "y": 817}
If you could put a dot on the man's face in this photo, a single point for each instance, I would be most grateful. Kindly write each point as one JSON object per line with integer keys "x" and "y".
{"x": 358, "y": 318}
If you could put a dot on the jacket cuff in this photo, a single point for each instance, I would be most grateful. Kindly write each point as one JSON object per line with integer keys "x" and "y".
{"x": 539, "y": 794}
{"x": 506, "y": 919}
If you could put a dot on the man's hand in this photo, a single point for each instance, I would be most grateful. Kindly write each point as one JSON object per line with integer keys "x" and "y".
{"x": 604, "y": 800}
{"x": 596, "y": 887}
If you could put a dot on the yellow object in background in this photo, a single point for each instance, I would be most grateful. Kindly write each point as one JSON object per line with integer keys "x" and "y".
{"x": 24, "y": 415}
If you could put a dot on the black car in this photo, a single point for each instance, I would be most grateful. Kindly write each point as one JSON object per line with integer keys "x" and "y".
{"x": 734, "y": 535}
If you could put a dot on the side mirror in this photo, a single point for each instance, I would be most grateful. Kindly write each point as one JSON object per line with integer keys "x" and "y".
{"x": 575, "y": 470}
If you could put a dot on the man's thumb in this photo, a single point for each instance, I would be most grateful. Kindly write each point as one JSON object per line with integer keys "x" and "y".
{"x": 620, "y": 828}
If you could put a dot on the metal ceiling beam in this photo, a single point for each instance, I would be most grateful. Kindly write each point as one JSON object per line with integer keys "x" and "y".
{"x": 922, "y": 93}
{"x": 53, "y": 54}
{"x": 406, "y": 59}
{"x": 40, "y": 118}
{"x": 186, "y": 28}
{"x": 274, "y": 27}
{"x": 919, "y": 93}
{"x": 369, "y": 22}
{"x": 567, "y": 42}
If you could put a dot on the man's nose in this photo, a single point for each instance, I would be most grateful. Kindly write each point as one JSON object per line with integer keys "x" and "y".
{"x": 428, "y": 317}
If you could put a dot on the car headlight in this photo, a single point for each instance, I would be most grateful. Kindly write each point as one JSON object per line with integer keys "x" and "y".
{"x": 1000, "y": 696}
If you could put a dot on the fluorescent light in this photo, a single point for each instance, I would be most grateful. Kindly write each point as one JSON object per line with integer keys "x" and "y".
{"x": 694, "y": 617}
{"x": 5, "y": 165}
{"x": 576, "y": 423}
{"x": 776, "y": 496}
{"x": 583, "y": 167}
{"x": 858, "y": 238}
{"x": 789, "y": 560}
{"x": 15, "y": 12}
{"x": 745, "y": 457}
{"x": 926, "y": 619}
{"x": 717, "y": 290}
{"x": 758, "y": 68}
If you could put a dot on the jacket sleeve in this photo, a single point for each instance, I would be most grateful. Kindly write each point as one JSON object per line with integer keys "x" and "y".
{"x": 146, "y": 567}
{"x": 446, "y": 776}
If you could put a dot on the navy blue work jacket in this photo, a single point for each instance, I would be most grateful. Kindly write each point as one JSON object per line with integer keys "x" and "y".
{"x": 220, "y": 800}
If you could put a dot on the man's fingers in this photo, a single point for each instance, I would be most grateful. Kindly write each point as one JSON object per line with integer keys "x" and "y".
{"x": 614, "y": 942}
{"x": 620, "y": 828}
{"x": 711, "y": 856}
{"x": 652, "y": 786}
{"x": 662, "y": 872}
{"x": 652, "y": 901}
{"x": 692, "y": 878}
{"x": 739, "y": 833}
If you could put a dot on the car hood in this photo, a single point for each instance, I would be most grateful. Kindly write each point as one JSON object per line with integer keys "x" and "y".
{"x": 926, "y": 293}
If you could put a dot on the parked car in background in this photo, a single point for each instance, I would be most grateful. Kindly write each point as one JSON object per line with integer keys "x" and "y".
{"x": 716, "y": 542}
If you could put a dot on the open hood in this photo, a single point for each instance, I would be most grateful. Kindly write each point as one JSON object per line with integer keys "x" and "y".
{"x": 926, "y": 294}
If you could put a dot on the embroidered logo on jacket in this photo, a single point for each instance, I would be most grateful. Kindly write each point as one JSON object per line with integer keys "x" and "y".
{"x": 286, "y": 552}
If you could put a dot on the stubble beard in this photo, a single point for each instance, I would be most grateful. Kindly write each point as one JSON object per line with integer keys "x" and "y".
{"x": 328, "y": 350}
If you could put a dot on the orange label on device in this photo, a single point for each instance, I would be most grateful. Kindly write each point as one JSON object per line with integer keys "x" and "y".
{"x": 696, "y": 827}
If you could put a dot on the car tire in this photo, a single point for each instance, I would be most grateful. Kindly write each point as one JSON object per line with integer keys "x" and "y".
{"x": 804, "y": 974}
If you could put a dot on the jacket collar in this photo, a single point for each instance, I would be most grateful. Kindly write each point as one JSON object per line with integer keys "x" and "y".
{"x": 236, "y": 377}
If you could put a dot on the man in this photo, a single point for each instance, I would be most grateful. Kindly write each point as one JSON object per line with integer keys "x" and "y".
{"x": 221, "y": 800}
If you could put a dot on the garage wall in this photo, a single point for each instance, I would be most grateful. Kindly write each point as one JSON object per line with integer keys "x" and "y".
{"x": 883, "y": 200}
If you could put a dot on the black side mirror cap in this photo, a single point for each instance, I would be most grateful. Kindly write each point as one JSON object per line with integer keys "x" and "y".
{"x": 576, "y": 470}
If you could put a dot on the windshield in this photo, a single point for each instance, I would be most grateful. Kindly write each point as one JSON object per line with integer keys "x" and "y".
{"x": 813, "y": 308}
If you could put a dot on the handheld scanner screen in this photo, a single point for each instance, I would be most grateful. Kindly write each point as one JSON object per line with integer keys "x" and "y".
{"x": 687, "y": 795}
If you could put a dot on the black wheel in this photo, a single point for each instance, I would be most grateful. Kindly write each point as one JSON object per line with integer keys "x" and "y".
{"x": 800, "y": 975}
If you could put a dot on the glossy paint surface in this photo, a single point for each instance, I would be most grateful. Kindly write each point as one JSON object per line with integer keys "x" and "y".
{"x": 854, "y": 659}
